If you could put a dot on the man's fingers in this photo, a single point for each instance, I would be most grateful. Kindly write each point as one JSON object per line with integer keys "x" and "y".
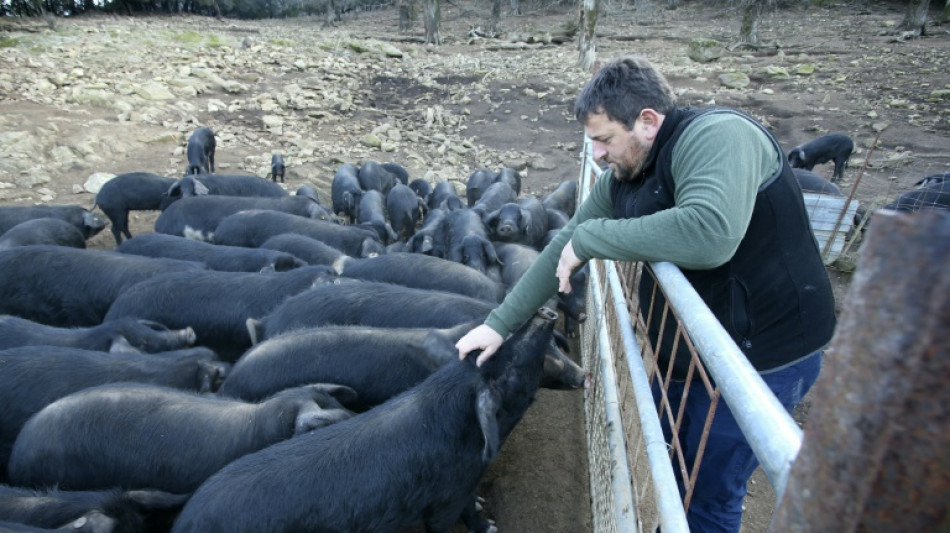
{"x": 564, "y": 280}
{"x": 486, "y": 353}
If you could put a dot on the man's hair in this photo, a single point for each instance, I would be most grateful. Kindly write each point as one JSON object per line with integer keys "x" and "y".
{"x": 622, "y": 89}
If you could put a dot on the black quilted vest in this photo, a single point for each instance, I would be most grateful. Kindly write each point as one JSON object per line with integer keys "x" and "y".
{"x": 773, "y": 297}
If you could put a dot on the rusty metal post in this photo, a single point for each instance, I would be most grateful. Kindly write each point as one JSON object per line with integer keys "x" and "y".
{"x": 876, "y": 449}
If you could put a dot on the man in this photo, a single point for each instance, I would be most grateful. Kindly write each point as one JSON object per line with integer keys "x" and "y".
{"x": 711, "y": 191}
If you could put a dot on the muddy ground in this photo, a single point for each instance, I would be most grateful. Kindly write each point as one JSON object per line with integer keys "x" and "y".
{"x": 470, "y": 103}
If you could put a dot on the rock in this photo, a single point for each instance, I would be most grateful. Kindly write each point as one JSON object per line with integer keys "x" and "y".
{"x": 63, "y": 155}
{"x": 939, "y": 95}
{"x": 77, "y": 188}
{"x": 805, "y": 70}
{"x": 389, "y": 50}
{"x": 154, "y": 91}
{"x": 371, "y": 140}
{"x": 734, "y": 80}
{"x": 31, "y": 179}
{"x": 95, "y": 182}
{"x": 273, "y": 123}
{"x": 775, "y": 73}
{"x": 216, "y": 105}
{"x": 705, "y": 50}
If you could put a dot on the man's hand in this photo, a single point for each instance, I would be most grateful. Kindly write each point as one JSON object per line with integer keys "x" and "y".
{"x": 481, "y": 338}
{"x": 565, "y": 267}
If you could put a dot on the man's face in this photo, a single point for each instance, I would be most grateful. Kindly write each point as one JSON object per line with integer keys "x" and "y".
{"x": 624, "y": 150}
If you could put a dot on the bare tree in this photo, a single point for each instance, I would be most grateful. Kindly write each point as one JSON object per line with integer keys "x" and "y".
{"x": 915, "y": 18}
{"x": 407, "y": 14}
{"x": 749, "y": 31}
{"x": 516, "y": 7}
{"x": 589, "y": 11}
{"x": 432, "y": 14}
{"x": 494, "y": 18}
{"x": 945, "y": 14}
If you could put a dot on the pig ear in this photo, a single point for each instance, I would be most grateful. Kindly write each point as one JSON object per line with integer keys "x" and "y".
{"x": 438, "y": 348}
{"x": 487, "y": 404}
{"x": 210, "y": 374}
{"x": 492, "y": 218}
{"x": 200, "y": 188}
{"x": 312, "y": 417}
{"x": 121, "y": 345}
{"x": 151, "y": 324}
{"x": 340, "y": 393}
{"x": 155, "y": 500}
{"x": 175, "y": 188}
{"x": 255, "y": 330}
{"x": 491, "y": 253}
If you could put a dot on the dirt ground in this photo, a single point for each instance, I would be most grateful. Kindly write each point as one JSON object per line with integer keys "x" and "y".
{"x": 508, "y": 105}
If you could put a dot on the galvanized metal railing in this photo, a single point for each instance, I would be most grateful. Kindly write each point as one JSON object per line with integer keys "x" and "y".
{"x": 633, "y": 487}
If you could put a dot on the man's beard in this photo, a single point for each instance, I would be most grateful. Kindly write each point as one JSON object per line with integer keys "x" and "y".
{"x": 631, "y": 172}
{"x": 628, "y": 172}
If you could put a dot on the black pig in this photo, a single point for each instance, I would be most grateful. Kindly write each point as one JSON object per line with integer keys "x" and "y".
{"x": 198, "y": 217}
{"x": 345, "y": 191}
{"x": 51, "y": 231}
{"x": 422, "y": 272}
{"x": 200, "y": 152}
{"x": 215, "y": 304}
{"x": 251, "y": 228}
{"x": 36, "y": 376}
{"x": 221, "y": 185}
{"x": 277, "y": 167}
{"x": 310, "y": 250}
{"x": 136, "y": 436}
{"x": 835, "y": 147}
{"x": 106, "y": 511}
{"x": 132, "y": 191}
{"x": 140, "y": 335}
{"x": 416, "y": 458}
{"x": 216, "y": 256}
{"x": 524, "y": 221}
{"x": 405, "y": 208}
{"x": 85, "y": 221}
{"x": 70, "y": 287}
{"x": 369, "y": 303}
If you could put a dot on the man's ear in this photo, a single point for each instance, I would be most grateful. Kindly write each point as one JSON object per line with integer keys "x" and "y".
{"x": 650, "y": 120}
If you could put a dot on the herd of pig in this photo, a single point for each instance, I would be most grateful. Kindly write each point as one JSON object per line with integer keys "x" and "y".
{"x": 264, "y": 362}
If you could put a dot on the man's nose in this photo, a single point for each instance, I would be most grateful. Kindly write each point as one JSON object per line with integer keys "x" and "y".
{"x": 600, "y": 151}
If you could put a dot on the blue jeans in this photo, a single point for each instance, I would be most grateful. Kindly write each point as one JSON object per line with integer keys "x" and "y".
{"x": 727, "y": 461}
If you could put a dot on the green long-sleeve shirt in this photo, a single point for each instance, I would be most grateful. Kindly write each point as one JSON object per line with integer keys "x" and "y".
{"x": 718, "y": 165}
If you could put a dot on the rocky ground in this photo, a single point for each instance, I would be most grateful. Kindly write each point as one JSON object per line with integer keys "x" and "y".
{"x": 107, "y": 94}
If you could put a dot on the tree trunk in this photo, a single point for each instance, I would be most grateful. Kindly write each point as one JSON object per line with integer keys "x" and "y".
{"x": 494, "y": 18}
{"x": 877, "y": 443}
{"x": 749, "y": 32}
{"x": 945, "y": 14}
{"x": 516, "y": 7}
{"x": 915, "y": 17}
{"x": 433, "y": 15}
{"x": 407, "y": 14}
{"x": 587, "y": 26}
